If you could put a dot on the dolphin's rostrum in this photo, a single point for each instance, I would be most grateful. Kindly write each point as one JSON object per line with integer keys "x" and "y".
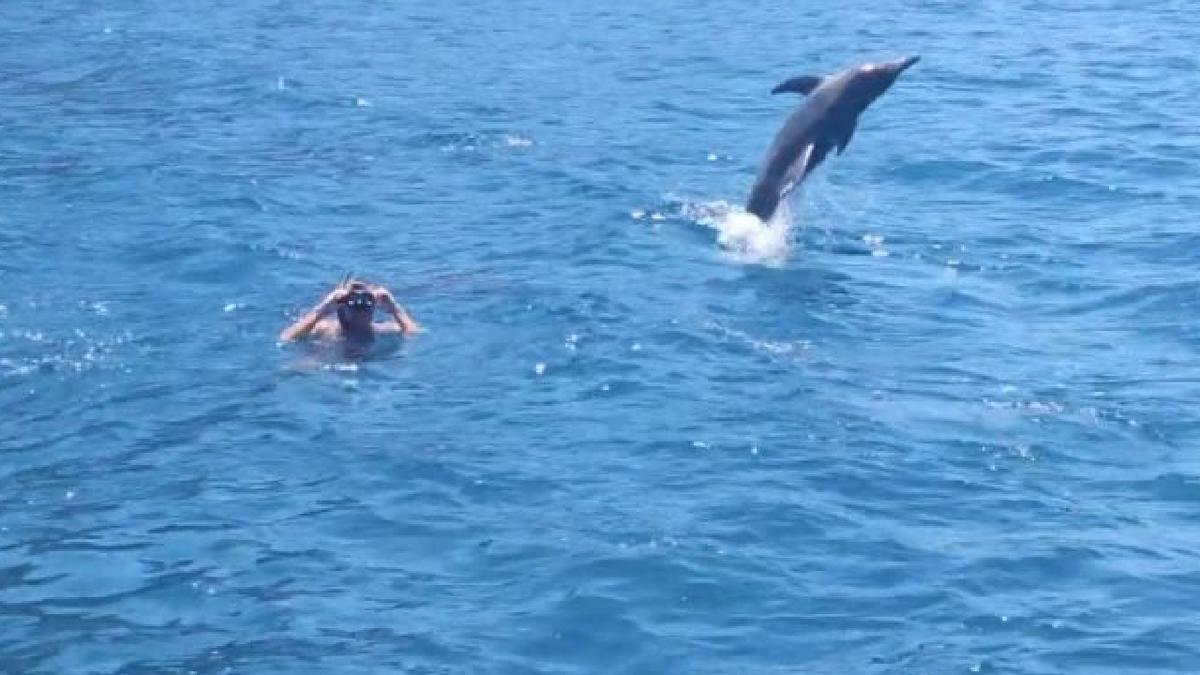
{"x": 824, "y": 121}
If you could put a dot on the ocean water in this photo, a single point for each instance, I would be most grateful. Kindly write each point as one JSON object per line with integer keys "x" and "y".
{"x": 940, "y": 417}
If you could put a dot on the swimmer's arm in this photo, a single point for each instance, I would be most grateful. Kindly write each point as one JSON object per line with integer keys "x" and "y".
{"x": 302, "y": 328}
{"x": 401, "y": 322}
{"x": 306, "y": 324}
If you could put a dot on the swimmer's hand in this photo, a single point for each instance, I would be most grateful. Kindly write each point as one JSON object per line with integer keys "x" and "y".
{"x": 387, "y": 302}
{"x": 329, "y": 304}
{"x": 384, "y": 298}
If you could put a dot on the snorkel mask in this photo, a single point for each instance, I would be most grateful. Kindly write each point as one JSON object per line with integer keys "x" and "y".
{"x": 358, "y": 304}
{"x": 359, "y": 298}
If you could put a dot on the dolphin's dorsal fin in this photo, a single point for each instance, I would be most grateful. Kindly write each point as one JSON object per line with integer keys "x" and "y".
{"x": 798, "y": 85}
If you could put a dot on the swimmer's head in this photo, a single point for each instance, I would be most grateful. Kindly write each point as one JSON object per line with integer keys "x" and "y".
{"x": 356, "y": 310}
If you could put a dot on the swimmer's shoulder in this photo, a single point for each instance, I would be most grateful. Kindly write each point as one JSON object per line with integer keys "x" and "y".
{"x": 326, "y": 331}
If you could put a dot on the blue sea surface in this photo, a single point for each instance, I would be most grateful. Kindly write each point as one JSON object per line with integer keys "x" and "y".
{"x": 941, "y": 417}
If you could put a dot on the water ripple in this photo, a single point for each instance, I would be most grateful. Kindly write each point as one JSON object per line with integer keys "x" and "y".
{"x": 933, "y": 418}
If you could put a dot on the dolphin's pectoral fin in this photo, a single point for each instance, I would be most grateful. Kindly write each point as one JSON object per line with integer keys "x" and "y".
{"x": 846, "y": 133}
{"x": 798, "y": 85}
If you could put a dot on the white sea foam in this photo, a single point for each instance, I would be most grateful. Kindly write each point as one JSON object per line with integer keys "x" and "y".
{"x": 515, "y": 141}
{"x": 742, "y": 234}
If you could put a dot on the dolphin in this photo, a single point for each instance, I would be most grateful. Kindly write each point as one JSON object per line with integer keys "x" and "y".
{"x": 824, "y": 121}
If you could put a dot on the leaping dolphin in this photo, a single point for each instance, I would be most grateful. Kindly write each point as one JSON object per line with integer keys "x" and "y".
{"x": 825, "y": 120}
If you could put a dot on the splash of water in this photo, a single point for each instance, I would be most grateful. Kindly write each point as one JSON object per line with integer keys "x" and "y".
{"x": 741, "y": 234}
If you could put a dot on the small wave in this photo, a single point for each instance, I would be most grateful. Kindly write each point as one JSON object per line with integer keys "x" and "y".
{"x": 470, "y": 141}
{"x": 874, "y": 244}
{"x": 778, "y": 348}
{"x": 515, "y": 141}
{"x": 34, "y": 352}
{"x": 743, "y": 235}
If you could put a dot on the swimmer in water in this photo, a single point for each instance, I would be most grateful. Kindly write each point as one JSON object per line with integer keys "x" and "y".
{"x": 347, "y": 315}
